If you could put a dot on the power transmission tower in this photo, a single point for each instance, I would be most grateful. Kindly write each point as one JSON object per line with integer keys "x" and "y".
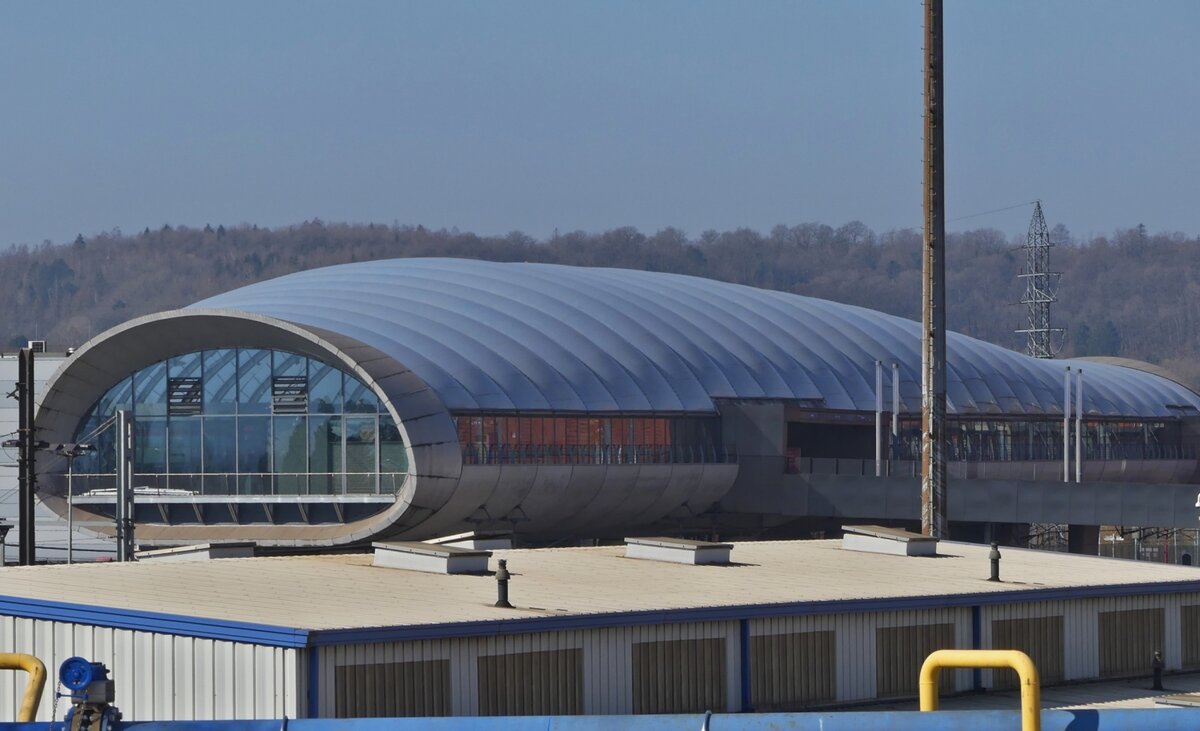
{"x": 1041, "y": 290}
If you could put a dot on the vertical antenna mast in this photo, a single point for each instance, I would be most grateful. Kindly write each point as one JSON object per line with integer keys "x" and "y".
{"x": 1041, "y": 290}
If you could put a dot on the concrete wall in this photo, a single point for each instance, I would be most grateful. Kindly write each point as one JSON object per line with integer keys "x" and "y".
{"x": 977, "y": 500}
{"x": 589, "y": 500}
{"x": 758, "y": 433}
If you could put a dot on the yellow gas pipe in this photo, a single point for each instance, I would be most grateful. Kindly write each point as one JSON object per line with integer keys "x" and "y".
{"x": 33, "y": 688}
{"x": 1031, "y": 688}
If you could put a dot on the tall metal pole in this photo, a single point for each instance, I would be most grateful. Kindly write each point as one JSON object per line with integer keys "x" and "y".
{"x": 124, "y": 427}
{"x": 933, "y": 290}
{"x": 70, "y": 509}
{"x": 26, "y": 482}
{"x": 895, "y": 404}
{"x": 1067, "y": 425}
{"x": 1079, "y": 426}
{"x": 878, "y": 418}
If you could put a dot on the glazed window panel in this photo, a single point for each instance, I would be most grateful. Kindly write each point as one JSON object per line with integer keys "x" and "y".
{"x": 150, "y": 449}
{"x": 150, "y": 391}
{"x": 118, "y": 397}
{"x": 184, "y": 445}
{"x": 393, "y": 457}
{"x": 324, "y": 388}
{"x": 249, "y": 421}
{"x": 360, "y": 454}
{"x": 515, "y": 439}
{"x": 287, "y": 364}
{"x": 220, "y": 444}
{"x": 102, "y": 458}
{"x": 220, "y": 381}
{"x": 360, "y": 399}
{"x": 254, "y": 381}
{"x": 290, "y": 438}
{"x": 186, "y": 365}
{"x": 325, "y": 455}
{"x": 254, "y": 454}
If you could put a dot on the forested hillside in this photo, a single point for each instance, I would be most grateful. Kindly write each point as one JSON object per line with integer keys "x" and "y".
{"x": 1133, "y": 294}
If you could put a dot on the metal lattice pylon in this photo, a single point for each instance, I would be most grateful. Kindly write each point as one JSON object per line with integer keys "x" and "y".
{"x": 1041, "y": 290}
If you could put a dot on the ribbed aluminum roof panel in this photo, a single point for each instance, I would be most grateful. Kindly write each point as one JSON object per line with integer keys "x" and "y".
{"x": 543, "y": 337}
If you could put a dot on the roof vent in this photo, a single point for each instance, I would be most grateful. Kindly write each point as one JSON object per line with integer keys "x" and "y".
{"x": 476, "y": 540}
{"x": 894, "y": 541}
{"x": 678, "y": 550}
{"x": 431, "y": 558}
{"x": 199, "y": 552}
{"x": 37, "y": 346}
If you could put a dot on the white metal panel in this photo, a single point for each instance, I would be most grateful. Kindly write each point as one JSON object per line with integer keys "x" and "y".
{"x": 158, "y": 676}
{"x": 1173, "y": 651}
{"x": 607, "y": 672}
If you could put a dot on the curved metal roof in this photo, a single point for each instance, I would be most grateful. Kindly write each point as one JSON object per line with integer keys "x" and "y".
{"x": 490, "y": 336}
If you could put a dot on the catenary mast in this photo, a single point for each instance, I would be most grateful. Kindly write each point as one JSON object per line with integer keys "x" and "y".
{"x": 933, "y": 290}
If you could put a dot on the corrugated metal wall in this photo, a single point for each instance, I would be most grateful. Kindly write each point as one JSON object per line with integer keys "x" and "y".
{"x": 1189, "y": 621}
{"x": 541, "y": 683}
{"x": 393, "y": 689}
{"x": 1041, "y": 638}
{"x": 161, "y": 677}
{"x": 797, "y": 662}
{"x": 1102, "y": 637}
{"x": 679, "y": 676}
{"x": 486, "y": 673}
{"x": 792, "y": 662}
{"x": 792, "y": 670}
{"x": 856, "y": 650}
{"x": 1128, "y": 639}
{"x": 898, "y": 650}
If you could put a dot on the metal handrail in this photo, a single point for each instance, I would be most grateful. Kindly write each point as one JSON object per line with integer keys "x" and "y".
{"x": 33, "y": 687}
{"x": 389, "y": 483}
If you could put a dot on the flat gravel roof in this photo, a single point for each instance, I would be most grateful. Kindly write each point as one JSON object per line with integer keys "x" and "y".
{"x": 315, "y": 593}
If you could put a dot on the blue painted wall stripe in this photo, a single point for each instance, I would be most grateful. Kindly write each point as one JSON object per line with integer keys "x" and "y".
{"x": 1124, "y": 719}
{"x": 314, "y": 682}
{"x": 172, "y": 624}
{"x": 744, "y": 648}
{"x": 280, "y": 636}
{"x": 977, "y": 644}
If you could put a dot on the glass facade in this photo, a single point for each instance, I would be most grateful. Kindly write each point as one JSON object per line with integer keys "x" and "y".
{"x": 509, "y": 439}
{"x": 246, "y": 421}
{"x": 1003, "y": 440}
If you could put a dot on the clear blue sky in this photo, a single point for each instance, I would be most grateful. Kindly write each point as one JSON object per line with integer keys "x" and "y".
{"x": 496, "y": 116}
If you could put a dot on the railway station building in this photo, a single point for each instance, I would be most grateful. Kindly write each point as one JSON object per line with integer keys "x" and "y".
{"x": 413, "y": 398}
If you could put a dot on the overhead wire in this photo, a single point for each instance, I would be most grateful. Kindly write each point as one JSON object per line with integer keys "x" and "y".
{"x": 994, "y": 210}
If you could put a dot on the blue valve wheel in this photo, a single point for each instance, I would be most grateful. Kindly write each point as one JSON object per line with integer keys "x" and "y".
{"x": 77, "y": 674}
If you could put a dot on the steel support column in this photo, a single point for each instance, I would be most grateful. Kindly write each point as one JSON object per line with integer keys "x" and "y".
{"x": 26, "y": 479}
{"x": 125, "y": 462}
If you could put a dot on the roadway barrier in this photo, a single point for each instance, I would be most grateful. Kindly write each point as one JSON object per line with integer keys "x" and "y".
{"x": 1159, "y": 719}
